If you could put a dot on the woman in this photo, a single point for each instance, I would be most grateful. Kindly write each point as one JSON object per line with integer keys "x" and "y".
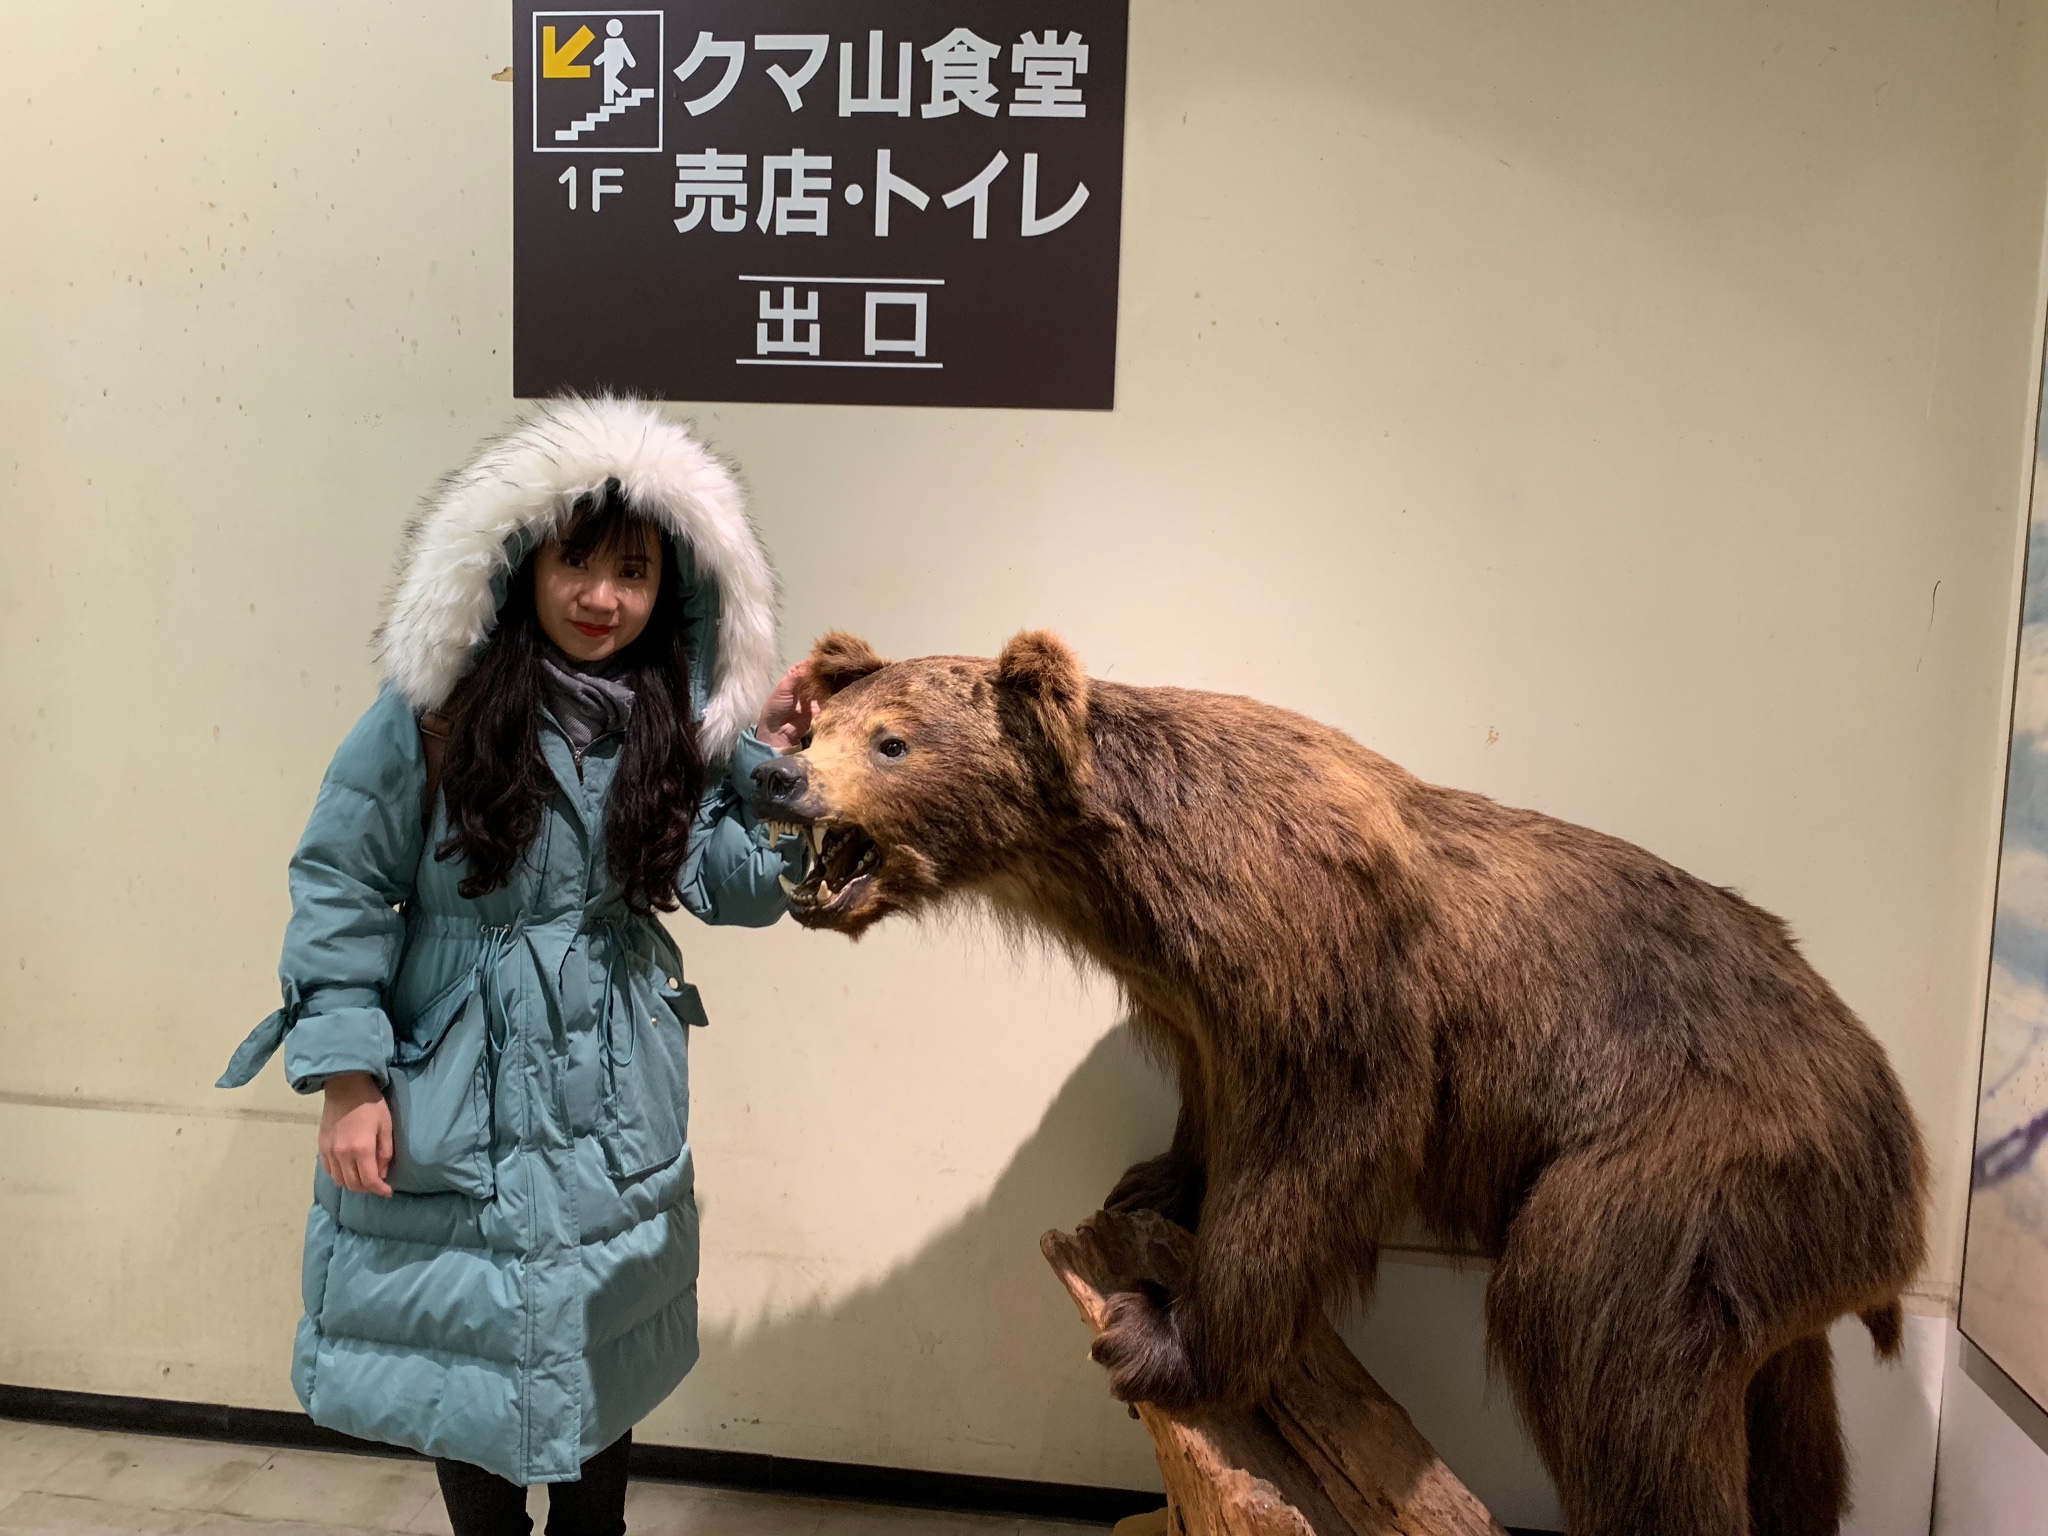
{"x": 501, "y": 1259}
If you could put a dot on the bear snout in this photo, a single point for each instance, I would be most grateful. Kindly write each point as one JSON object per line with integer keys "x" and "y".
{"x": 780, "y": 784}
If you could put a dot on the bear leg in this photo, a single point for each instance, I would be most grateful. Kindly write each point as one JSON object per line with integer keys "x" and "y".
{"x": 1631, "y": 1450}
{"x": 1290, "y": 1216}
{"x": 1798, "y": 1470}
{"x": 1233, "y": 1331}
{"x": 1621, "y": 1355}
{"x": 1174, "y": 1182}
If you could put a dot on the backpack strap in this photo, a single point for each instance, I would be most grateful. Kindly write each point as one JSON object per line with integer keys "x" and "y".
{"x": 435, "y": 731}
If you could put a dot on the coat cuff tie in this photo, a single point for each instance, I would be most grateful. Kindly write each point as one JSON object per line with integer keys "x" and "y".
{"x": 254, "y": 1053}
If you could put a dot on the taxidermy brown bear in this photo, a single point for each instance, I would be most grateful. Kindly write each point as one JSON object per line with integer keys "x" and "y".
{"x": 1381, "y": 996}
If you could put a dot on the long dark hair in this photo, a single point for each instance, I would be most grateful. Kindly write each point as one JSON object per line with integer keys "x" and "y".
{"x": 495, "y": 779}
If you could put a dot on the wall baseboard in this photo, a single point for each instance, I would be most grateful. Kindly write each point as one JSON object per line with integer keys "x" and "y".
{"x": 906, "y": 1486}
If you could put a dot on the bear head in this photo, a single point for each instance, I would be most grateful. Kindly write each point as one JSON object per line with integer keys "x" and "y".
{"x": 921, "y": 779}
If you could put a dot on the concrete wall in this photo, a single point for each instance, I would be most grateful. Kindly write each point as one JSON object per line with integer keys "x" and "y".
{"x": 1617, "y": 408}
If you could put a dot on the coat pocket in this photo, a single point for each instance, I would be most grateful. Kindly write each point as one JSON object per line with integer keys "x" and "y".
{"x": 440, "y": 1098}
{"x": 648, "y": 1089}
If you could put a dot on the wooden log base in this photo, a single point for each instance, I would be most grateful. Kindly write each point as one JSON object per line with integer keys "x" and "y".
{"x": 1330, "y": 1455}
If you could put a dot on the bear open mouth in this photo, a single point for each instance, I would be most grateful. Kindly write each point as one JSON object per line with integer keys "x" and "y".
{"x": 844, "y": 860}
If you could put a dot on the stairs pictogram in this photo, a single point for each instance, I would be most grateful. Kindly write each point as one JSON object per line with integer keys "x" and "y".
{"x": 590, "y": 120}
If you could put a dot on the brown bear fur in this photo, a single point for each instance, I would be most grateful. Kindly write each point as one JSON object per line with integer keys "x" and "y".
{"x": 1380, "y": 996}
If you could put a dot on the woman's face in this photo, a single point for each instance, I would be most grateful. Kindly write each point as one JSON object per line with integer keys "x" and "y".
{"x": 596, "y": 606}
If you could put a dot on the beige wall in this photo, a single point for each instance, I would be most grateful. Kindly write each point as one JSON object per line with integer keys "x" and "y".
{"x": 1617, "y": 408}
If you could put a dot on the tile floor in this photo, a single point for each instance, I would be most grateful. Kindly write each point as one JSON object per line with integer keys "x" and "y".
{"x": 78, "y": 1482}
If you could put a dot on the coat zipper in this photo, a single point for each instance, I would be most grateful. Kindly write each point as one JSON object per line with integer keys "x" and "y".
{"x": 576, "y": 753}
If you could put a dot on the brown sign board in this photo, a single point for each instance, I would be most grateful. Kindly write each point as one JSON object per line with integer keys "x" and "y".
{"x": 868, "y": 202}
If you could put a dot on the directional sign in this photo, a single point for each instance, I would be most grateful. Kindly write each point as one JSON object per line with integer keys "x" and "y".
{"x": 591, "y": 96}
{"x": 838, "y": 201}
{"x": 558, "y": 60}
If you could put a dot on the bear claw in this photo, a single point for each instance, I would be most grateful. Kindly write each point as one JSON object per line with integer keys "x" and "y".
{"x": 1142, "y": 1348}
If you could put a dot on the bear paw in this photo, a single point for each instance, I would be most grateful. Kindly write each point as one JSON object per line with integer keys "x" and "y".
{"x": 1163, "y": 1184}
{"x": 1142, "y": 1347}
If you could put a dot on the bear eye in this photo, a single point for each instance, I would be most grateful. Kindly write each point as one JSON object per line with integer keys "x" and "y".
{"x": 892, "y": 747}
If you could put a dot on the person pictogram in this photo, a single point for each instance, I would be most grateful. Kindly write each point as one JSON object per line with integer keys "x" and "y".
{"x": 614, "y": 58}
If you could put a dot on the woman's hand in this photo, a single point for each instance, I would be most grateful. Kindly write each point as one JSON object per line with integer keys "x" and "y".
{"x": 786, "y": 717}
{"x": 355, "y": 1134}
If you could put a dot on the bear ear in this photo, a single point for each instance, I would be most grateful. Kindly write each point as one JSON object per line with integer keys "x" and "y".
{"x": 1048, "y": 693}
{"x": 838, "y": 660}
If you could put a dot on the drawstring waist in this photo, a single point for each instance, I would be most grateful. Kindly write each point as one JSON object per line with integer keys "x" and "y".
{"x": 624, "y": 936}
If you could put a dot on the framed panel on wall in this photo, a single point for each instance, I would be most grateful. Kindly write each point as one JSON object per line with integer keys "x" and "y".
{"x": 2005, "y": 1271}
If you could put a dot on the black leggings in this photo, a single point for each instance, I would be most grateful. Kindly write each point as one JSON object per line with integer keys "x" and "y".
{"x": 482, "y": 1503}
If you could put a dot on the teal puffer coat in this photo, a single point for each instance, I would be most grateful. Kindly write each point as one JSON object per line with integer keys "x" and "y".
{"x": 529, "y": 1291}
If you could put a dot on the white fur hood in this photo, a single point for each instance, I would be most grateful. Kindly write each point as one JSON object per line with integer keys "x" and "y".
{"x": 518, "y": 490}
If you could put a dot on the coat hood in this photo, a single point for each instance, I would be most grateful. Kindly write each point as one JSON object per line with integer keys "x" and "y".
{"x": 483, "y": 520}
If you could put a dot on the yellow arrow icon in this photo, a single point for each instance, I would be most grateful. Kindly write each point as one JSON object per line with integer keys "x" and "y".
{"x": 560, "y": 63}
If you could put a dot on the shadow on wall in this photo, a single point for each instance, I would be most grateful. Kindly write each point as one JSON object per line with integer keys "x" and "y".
{"x": 999, "y": 1375}
{"x": 967, "y": 1356}
{"x": 1424, "y": 1340}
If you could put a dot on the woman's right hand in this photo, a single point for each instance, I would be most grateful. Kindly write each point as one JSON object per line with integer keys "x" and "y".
{"x": 787, "y": 716}
{"x": 355, "y": 1134}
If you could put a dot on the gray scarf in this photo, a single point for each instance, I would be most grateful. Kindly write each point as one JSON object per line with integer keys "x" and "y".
{"x": 586, "y": 700}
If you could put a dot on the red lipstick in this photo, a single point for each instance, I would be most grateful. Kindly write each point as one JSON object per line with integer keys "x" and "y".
{"x": 595, "y": 631}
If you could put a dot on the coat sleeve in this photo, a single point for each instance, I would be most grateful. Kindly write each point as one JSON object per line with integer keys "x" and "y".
{"x": 732, "y": 872}
{"x": 353, "y": 870}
